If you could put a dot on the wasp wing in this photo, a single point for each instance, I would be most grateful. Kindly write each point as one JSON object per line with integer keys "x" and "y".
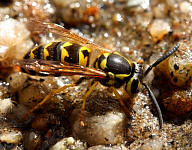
{"x": 55, "y": 68}
{"x": 47, "y": 27}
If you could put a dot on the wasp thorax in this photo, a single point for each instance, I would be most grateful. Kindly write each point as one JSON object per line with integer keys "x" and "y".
{"x": 118, "y": 68}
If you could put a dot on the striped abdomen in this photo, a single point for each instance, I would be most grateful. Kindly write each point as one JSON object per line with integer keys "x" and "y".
{"x": 62, "y": 52}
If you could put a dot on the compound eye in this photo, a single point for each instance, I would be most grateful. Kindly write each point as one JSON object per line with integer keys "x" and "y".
{"x": 132, "y": 86}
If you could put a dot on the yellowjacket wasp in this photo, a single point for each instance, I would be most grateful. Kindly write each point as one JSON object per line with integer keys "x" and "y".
{"x": 72, "y": 57}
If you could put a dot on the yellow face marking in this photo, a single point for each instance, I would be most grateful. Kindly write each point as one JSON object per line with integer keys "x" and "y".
{"x": 64, "y": 52}
{"x": 128, "y": 89}
{"x": 45, "y": 50}
{"x": 122, "y": 76}
{"x": 83, "y": 59}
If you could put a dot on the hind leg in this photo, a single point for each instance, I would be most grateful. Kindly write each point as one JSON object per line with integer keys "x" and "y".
{"x": 87, "y": 94}
{"x": 52, "y": 93}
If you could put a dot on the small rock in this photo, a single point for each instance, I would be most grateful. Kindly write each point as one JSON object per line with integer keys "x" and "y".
{"x": 117, "y": 18}
{"x": 177, "y": 68}
{"x": 185, "y": 7}
{"x": 69, "y": 143}
{"x": 102, "y": 147}
{"x": 6, "y": 106}
{"x": 152, "y": 145}
{"x": 158, "y": 29}
{"x": 12, "y": 137}
{"x": 160, "y": 11}
{"x": 179, "y": 102}
{"x": 14, "y": 39}
{"x": 103, "y": 129}
{"x": 143, "y": 3}
{"x": 16, "y": 81}
{"x": 32, "y": 140}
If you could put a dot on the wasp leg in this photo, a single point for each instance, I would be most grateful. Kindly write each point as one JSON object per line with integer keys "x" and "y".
{"x": 125, "y": 109}
{"x": 52, "y": 93}
{"x": 87, "y": 94}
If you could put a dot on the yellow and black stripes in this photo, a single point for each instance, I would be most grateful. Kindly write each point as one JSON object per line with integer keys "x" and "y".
{"x": 113, "y": 62}
{"x": 117, "y": 67}
{"x": 43, "y": 52}
{"x": 73, "y": 53}
{"x": 62, "y": 52}
{"x": 119, "y": 71}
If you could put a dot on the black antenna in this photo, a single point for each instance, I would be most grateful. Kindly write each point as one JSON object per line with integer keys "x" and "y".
{"x": 161, "y": 59}
{"x": 151, "y": 95}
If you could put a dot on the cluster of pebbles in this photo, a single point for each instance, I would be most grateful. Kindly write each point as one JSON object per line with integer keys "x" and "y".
{"x": 141, "y": 31}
